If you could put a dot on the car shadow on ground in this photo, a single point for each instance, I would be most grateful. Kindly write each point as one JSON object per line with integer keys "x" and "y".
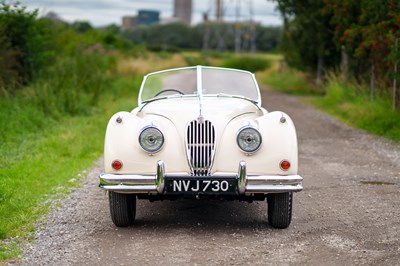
{"x": 201, "y": 213}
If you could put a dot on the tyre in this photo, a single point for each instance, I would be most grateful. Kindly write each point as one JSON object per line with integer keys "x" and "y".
{"x": 280, "y": 209}
{"x": 122, "y": 208}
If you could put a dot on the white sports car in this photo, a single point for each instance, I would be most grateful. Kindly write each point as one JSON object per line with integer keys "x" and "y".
{"x": 200, "y": 132}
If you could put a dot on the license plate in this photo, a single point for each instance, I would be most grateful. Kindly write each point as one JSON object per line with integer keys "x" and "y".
{"x": 201, "y": 185}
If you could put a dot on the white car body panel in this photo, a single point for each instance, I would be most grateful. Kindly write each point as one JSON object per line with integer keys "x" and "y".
{"x": 228, "y": 115}
{"x": 200, "y": 132}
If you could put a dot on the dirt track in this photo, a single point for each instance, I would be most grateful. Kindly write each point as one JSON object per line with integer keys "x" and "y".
{"x": 348, "y": 213}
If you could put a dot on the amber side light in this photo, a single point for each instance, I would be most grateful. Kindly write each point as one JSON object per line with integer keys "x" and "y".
{"x": 116, "y": 165}
{"x": 285, "y": 165}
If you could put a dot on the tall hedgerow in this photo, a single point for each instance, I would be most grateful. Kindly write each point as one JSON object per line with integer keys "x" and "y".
{"x": 22, "y": 45}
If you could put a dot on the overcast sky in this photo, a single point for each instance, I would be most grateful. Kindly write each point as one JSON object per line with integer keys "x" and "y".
{"x": 104, "y": 12}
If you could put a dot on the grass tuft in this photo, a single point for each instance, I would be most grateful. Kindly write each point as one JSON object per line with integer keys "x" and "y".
{"x": 282, "y": 78}
{"x": 354, "y": 106}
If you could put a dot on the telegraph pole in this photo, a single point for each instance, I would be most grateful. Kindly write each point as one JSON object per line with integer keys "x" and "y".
{"x": 218, "y": 12}
{"x": 253, "y": 47}
{"x": 218, "y": 28}
{"x": 206, "y": 36}
{"x": 238, "y": 32}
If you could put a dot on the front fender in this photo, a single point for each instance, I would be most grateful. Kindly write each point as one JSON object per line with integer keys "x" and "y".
{"x": 279, "y": 142}
{"x": 121, "y": 143}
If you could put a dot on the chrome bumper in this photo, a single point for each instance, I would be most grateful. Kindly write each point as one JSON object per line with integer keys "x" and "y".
{"x": 149, "y": 184}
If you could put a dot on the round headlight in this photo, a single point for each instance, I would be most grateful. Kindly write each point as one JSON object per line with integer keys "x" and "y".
{"x": 151, "y": 139}
{"x": 249, "y": 139}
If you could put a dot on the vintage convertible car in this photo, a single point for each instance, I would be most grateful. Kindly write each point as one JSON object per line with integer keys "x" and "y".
{"x": 200, "y": 132}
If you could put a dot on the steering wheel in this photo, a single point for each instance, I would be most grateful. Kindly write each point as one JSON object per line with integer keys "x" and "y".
{"x": 169, "y": 90}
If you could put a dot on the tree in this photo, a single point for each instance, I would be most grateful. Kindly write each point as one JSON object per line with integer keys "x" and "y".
{"x": 368, "y": 30}
{"x": 82, "y": 26}
{"x": 308, "y": 35}
{"x": 364, "y": 30}
{"x": 218, "y": 36}
{"x": 22, "y": 45}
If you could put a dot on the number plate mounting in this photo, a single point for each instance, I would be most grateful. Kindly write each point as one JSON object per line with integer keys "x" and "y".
{"x": 201, "y": 185}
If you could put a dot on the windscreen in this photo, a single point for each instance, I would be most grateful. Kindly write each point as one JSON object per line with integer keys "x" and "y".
{"x": 213, "y": 82}
{"x": 227, "y": 81}
{"x": 175, "y": 82}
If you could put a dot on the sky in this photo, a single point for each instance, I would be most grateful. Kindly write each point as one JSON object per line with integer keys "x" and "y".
{"x": 105, "y": 12}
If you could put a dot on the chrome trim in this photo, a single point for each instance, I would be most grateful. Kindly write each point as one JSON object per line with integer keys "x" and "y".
{"x": 145, "y": 189}
{"x": 200, "y": 143}
{"x": 134, "y": 180}
{"x": 160, "y": 177}
{"x": 273, "y": 188}
{"x": 247, "y": 185}
{"x": 262, "y": 184}
{"x": 242, "y": 177}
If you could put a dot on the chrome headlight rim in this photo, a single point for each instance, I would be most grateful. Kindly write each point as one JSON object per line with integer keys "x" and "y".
{"x": 157, "y": 148}
{"x": 251, "y": 151}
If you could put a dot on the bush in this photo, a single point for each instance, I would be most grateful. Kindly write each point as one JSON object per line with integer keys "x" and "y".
{"x": 291, "y": 81}
{"x": 22, "y": 45}
{"x": 194, "y": 60}
{"x": 249, "y": 63}
{"x": 73, "y": 85}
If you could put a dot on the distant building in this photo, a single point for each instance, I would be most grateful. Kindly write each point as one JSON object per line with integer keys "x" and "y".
{"x": 128, "y": 22}
{"x": 183, "y": 10}
{"x": 182, "y": 13}
{"x": 147, "y": 17}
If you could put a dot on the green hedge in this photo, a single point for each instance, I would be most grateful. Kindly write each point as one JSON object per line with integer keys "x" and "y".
{"x": 249, "y": 63}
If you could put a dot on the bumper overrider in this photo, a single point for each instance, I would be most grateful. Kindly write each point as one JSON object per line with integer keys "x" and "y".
{"x": 239, "y": 184}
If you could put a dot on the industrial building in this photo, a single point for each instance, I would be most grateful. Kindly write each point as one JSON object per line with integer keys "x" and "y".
{"x": 183, "y": 11}
{"x": 147, "y": 17}
{"x": 128, "y": 22}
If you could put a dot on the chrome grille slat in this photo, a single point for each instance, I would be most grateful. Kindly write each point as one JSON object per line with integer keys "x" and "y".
{"x": 200, "y": 144}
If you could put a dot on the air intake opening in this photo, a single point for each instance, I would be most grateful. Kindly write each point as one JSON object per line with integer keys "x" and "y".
{"x": 200, "y": 143}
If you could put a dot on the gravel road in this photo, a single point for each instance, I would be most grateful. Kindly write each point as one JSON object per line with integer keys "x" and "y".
{"x": 348, "y": 213}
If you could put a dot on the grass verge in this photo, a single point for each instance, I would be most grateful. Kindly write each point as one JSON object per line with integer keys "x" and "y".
{"x": 50, "y": 135}
{"x": 345, "y": 100}
{"x": 288, "y": 80}
{"x": 356, "y": 109}
{"x": 45, "y": 161}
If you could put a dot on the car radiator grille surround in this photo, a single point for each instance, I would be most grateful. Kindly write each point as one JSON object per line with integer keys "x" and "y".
{"x": 200, "y": 143}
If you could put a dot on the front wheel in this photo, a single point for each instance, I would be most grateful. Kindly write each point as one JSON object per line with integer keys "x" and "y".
{"x": 122, "y": 208}
{"x": 280, "y": 209}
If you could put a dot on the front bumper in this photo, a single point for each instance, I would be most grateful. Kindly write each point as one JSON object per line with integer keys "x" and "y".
{"x": 154, "y": 184}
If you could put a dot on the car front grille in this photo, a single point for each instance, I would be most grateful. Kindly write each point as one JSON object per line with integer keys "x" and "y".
{"x": 200, "y": 143}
